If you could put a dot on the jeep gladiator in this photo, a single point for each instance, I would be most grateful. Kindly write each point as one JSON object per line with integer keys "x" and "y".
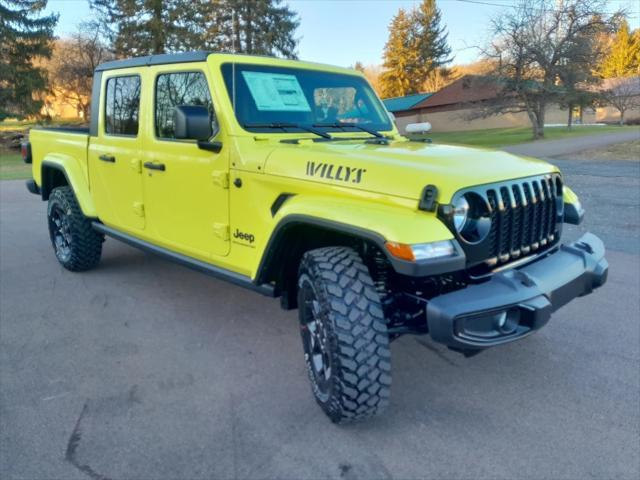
{"x": 290, "y": 178}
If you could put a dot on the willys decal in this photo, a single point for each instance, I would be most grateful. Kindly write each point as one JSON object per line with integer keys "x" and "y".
{"x": 340, "y": 173}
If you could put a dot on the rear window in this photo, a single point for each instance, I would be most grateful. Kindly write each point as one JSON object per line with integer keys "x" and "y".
{"x": 122, "y": 105}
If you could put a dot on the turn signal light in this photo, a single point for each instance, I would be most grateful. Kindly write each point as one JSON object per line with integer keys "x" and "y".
{"x": 421, "y": 251}
{"x": 401, "y": 250}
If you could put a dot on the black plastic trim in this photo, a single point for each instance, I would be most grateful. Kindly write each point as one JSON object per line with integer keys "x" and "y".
{"x": 278, "y": 202}
{"x": 45, "y": 189}
{"x": 32, "y": 186}
{"x": 163, "y": 59}
{"x": 213, "y": 146}
{"x": 429, "y": 199}
{"x": 78, "y": 130}
{"x": 423, "y": 268}
{"x": 212, "y": 270}
{"x": 478, "y": 253}
{"x": 572, "y": 215}
{"x": 536, "y": 291}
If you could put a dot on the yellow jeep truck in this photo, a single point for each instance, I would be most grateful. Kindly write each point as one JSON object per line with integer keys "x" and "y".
{"x": 290, "y": 179}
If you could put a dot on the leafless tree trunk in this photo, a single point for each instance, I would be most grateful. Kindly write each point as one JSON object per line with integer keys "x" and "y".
{"x": 543, "y": 46}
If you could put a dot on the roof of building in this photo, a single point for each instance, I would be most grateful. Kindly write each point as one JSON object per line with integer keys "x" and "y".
{"x": 399, "y": 104}
{"x": 470, "y": 88}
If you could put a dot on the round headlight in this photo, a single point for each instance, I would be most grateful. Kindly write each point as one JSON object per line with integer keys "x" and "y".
{"x": 460, "y": 213}
{"x": 471, "y": 217}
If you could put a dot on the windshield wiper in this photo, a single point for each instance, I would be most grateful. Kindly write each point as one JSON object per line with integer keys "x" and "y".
{"x": 284, "y": 126}
{"x": 370, "y": 131}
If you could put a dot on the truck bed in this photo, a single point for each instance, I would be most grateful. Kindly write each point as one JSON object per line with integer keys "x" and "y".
{"x": 65, "y": 145}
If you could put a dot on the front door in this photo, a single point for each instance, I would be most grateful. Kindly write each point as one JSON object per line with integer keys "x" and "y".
{"x": 114, "y": 155}
{"x": 185, "y": 188}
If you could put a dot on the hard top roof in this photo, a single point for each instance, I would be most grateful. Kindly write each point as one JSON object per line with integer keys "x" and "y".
{"x": 161, "y": 59}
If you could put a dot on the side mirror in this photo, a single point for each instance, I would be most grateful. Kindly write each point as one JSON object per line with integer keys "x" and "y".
{"x": 418, "y": 128}
{"x": 192, "y": 122}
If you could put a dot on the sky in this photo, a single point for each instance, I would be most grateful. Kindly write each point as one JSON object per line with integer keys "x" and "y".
{"x": 341, "y": 32}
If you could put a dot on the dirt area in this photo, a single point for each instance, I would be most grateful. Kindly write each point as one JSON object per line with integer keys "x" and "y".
{"x": 620, "y": 151}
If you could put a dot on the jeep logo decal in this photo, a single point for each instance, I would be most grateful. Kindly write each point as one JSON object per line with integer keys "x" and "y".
{"x": 247, "y": 237}
{"x": 335, "y": 172}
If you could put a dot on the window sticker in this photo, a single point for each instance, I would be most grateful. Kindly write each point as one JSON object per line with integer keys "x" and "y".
{"x": 276, "y": 92}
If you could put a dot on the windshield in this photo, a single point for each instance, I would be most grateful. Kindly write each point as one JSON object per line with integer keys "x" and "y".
{"x": 268, "y": 98}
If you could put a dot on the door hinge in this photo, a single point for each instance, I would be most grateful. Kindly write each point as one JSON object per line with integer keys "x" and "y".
{"x": 138, "y": 208}
{"x": 221, "y": 230}
{"x": 221, "y": 178}
{"x": 136, "y": 165}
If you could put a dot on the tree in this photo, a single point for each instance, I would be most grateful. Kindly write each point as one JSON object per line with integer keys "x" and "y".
{"x": 417, "y": 47}
{"x": 622, "y": 94}
{"x": 399, "y": 56}
{"x": 544, "y": 46}
{"x": 623, "y": 56}
{"x": 258, "y": 27}
{"x": 429, "y": 39}
{"x": 72, "y": 66}
{"x": 438, "y": 79}
{"x": 145, "y": 27}
{"x": 25, "y": 37}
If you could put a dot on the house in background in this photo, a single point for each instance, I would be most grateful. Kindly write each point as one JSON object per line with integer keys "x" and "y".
{"x": 448, "y": 109}
{"x": 403, "y": 106}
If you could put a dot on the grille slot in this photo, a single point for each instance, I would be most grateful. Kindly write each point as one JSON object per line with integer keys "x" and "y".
{"x": 524, "y": 218}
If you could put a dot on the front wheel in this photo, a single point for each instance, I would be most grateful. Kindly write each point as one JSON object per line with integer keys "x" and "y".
{"x": 77, "y": 245}
{"x": 344, "y": 334}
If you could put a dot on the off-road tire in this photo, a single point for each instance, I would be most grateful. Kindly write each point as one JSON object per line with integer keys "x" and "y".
{"x": 84, "y": 244}
{"x": 348, "y": 307}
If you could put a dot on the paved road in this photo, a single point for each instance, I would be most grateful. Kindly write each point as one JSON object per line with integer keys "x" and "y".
{"x": 142, "y": 369}
{"x": 564, "y": 146}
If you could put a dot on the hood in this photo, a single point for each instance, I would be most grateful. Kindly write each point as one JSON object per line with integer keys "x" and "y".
{"x": 401, "y": 168}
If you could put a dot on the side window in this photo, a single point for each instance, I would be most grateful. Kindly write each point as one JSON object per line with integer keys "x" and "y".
{"x": 122, "y": 105}
{"x": 184, "y": 88}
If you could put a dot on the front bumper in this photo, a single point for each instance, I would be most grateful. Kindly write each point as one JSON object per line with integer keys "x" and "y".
{"x": 515, "y": 303}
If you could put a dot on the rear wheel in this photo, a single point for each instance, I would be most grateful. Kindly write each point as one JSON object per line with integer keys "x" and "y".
{"x": 77, "y": 245}
{"x": 344, "y": 334}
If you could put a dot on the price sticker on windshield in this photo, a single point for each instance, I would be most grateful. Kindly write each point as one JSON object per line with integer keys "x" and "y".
{"x": 276, "y": 92}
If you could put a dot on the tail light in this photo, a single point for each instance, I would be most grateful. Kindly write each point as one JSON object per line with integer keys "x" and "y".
{"x": 25, "y": 151}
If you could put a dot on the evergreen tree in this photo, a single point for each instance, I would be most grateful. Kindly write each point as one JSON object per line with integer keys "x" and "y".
{"x": 399, "y": 57}
{"x": 623, "y": 58}
{"x": 430, "y": 40}
{"x": 25, "y": 37}
{"x": 145, "y": 27}
{"x": 416, "y": 48}
{"x": 258, "y": 27}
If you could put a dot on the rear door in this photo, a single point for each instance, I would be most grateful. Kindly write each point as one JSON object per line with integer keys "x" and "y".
{"x": 115, "y": 153}
{"x": 185, "y": 187}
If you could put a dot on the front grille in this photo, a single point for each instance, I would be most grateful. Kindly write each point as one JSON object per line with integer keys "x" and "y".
{"x": 524, "y": 217}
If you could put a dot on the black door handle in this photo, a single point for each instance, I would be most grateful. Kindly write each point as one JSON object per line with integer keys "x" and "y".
{"x": 107, "y": 158}
{"x": 154, "y": 166}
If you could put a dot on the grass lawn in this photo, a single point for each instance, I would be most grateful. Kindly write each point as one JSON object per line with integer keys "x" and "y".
{"x": 9, "y": 125}
{"x": 501, "y": 137}
{"x": 12, "y": 167}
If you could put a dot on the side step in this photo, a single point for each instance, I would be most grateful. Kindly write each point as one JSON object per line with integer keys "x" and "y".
{"x": 207, "y": 268}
